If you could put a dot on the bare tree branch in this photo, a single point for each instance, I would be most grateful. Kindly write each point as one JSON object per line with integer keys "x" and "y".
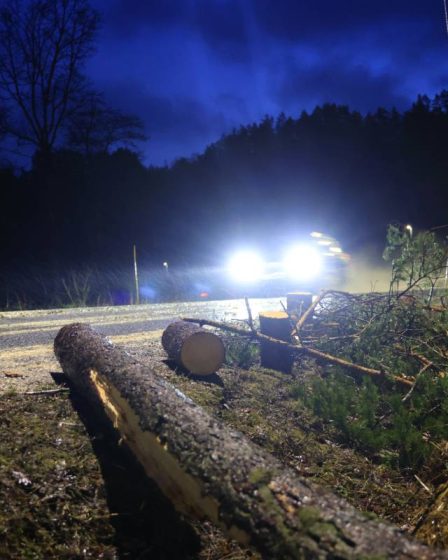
{"x": 43, "y": 47}
{"x": 95, "y": 127}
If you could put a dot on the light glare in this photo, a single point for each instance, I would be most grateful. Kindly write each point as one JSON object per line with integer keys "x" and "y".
{"x": 246, "y": 266}
{"x": 335, "y": 250}
{"x": 302, "y": 262}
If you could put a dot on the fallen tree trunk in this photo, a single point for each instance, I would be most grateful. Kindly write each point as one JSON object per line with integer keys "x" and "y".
{"x": 195, "y": 349}
{"x": 209, "y": 470}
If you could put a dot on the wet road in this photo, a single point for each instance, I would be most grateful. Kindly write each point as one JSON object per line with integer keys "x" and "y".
{"x": 27, "y": 328}
{"x": 26, "y": 337}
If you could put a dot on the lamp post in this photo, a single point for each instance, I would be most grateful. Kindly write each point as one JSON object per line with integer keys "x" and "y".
{"x": 137, "y": 290}
{"x": 165, "y": 266}
{"x": 409, "y": 229}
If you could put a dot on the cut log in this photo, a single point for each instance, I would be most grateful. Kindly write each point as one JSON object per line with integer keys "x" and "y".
{"x": 195, "y": 349}
{"x": 275, "y": 324}
{"x": 298, "y": 350}
{"x": 209, "y": 470}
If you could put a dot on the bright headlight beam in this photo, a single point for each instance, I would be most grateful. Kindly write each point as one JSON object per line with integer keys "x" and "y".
{"x": 335, "y": 249}
{"x": 302, "y": 262}
{"x": 246, "y": 266}
{"x": 324, "y": 242}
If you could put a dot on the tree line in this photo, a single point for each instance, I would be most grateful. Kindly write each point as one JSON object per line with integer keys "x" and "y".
{"x": 88, "y": 198}
{"x": 332, "y": 168}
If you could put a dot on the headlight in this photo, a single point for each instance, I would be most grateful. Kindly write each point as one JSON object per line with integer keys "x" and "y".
{"x": 246, "y": 266}
{"x": 302, "y": 262}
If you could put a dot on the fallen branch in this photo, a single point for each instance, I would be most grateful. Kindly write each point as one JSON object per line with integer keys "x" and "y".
{"x": 219, "y": 325}
{"x": 250, "y": 320}
{"x": 208, "y": 470}
{"x": 301, "y": 350}
{"x": 308, "y": 312}
{"x": 48, "y": 392}
{"x": 417, "y": 377}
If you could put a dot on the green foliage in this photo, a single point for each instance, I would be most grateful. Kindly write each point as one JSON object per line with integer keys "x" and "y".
{"x": 419, "y": 261}
{"x": 398, "y": 334}
{"x": 380, "y": 423}
{"x": 241, "y": 352}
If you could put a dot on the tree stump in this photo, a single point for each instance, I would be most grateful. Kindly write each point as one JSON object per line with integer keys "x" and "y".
{"x": 193, "y": 348}
{"x": 275, "y": 324}
{"x": 298, "y": 302}
{"x": 208, "y": 470}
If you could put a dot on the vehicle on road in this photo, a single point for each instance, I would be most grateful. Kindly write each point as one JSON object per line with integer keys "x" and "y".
{"x": 311, "y": 263}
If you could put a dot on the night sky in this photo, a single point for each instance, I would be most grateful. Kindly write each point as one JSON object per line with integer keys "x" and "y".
{"x": 194, "y": 69}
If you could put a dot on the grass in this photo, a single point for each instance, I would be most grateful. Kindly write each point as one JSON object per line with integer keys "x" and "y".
{"x": 72, "y": 491}
{"x": 51, "y": 484}
{"x": 35, "y": 287}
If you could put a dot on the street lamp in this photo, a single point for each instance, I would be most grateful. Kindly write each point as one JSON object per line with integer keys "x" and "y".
{"x": 165, "y": 266}
{"x": 409, "y": 229}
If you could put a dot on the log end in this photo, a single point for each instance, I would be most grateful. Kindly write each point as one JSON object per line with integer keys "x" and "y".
{"x": 203, "y": 353}
{"x": 279, "y": 315}
{"x": 199, "y": 351}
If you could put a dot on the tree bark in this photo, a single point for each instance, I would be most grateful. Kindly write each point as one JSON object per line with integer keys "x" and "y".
{"x": 209, "y": 470}
{"x": 197, "y": 350}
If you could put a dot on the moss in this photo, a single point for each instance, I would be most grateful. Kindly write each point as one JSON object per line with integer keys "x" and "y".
{"x": 259, "y": 476}
{"x": 68, "y": 493}
{"x": 370, "y": 515}
{"x": 40, "y": 432}
{"x": 275, "y": 510}
{"x": 282, "y": 425}
{"x": 51, "y": 484}
{"x": 373, "y": 557}
{"x": 308, "y": 516}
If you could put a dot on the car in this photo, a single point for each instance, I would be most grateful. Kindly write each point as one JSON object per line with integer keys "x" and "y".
{"x": 317, "y": 261}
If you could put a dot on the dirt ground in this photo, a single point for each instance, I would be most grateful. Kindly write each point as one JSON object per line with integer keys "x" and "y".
{"x": 70, "y": 489}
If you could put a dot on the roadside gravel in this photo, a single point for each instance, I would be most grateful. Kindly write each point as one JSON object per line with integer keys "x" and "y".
{"x": 26, "y": 337}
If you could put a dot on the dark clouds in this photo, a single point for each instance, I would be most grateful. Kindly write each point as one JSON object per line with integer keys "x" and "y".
{"x": 178, "y": 124}
{"x": 193, "y": 69}
{"x": 295, "y": 19}
{"x": 334, "y": 81}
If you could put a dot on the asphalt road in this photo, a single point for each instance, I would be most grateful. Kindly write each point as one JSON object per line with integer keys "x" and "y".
{"x": 26, "y": 337}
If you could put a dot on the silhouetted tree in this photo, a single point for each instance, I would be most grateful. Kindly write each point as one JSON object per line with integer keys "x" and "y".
{"x": 3, "y": 121}
{"x": 99, "y": 128}
{"x": 43, "y": 47}
{"x": 331, "y": 169}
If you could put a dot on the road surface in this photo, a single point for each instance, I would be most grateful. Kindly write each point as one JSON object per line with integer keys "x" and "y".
{"x": 26, "y": 337}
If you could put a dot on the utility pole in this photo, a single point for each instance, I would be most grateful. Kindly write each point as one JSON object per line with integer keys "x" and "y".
{"x": 137, "y": 291}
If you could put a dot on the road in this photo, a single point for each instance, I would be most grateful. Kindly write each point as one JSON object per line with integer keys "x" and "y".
{"x": 26, "y": 337}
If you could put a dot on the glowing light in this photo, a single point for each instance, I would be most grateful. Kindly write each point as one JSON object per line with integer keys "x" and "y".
{"x": 302, "y": 262}
{"x": 246, "y": 266}
{"x": 316, "y": 234}
{"x": 409, "y": 229}
{"x": 335, "y": 249}
{"x": 324, "y": 242}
